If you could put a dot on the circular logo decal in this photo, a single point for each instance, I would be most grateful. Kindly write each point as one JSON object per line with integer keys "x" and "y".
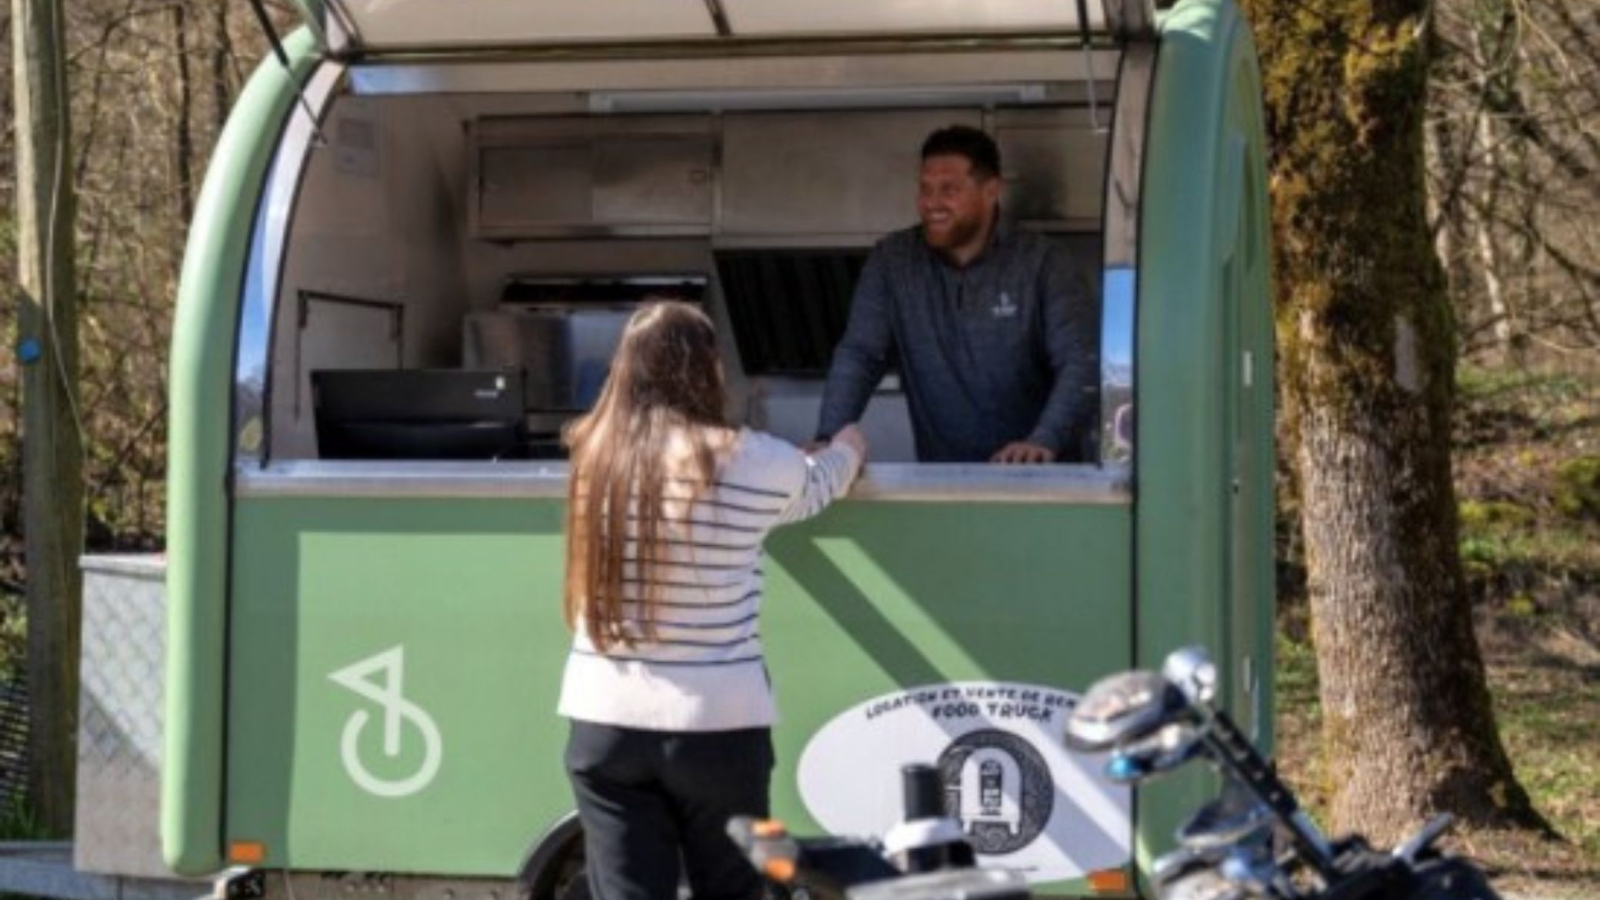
{"x": 1025, "y": 802}
{"x": 999, "y": 788}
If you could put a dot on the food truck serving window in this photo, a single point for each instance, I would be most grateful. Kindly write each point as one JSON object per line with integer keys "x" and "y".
{"x": 488, "y": 242}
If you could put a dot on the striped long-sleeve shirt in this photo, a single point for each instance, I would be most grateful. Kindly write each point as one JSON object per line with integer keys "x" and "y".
{"x": 704, "y": 670}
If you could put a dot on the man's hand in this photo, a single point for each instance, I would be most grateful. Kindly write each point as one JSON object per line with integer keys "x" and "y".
{"x": 852, "y": 437}
{"x": 850, "y": 434}
{"x": 1023, "y": 452}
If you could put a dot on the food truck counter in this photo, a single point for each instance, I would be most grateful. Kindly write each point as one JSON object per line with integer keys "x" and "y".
{"x": 532, "y": 479}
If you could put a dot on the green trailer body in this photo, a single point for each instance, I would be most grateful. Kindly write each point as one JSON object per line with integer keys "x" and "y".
{"x": 1204, "y": 505}
{"x": 364, "y": 679}
{"x": 199, "y": 459}
{"x": 868, "y": 600}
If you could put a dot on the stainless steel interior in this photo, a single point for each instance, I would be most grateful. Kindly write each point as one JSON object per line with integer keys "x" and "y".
{"x": 560, "y": 334}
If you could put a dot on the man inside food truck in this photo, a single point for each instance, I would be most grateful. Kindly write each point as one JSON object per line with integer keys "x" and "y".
{"x": 996, "y": 328}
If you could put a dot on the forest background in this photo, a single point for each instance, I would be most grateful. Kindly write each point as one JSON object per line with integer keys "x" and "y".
{"x": 1513, "y": 138}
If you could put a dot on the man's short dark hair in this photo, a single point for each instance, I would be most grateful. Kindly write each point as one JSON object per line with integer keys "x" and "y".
{"x": 966, "y": 141}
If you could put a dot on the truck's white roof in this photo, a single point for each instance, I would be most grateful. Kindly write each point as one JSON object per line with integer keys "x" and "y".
{"x": 379, "y": 25}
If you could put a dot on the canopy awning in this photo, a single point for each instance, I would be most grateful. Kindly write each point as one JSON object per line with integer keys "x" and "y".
{"x": 365, "y": 27}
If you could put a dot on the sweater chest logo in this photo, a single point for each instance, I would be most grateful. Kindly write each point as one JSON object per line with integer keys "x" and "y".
{"x": 1004, "y": 307}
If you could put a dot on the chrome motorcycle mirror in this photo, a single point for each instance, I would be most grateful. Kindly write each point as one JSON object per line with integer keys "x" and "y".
{"x": 1191, "y": 671}
{"x": 1172, "y": 746}
{"x": 1174, "y": 864}
{"x": 1252, "y": 869}
{"x": 1226, "y": 820}
{"x": 1123, "y": 708}
{"x": 1202, "y": 884}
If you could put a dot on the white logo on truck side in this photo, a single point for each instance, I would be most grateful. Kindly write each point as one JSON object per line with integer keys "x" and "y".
{"x": 386, "y": 691}
{"x": 1024, "y": 801}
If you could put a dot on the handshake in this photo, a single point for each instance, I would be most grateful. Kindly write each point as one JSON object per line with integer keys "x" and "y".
{"x": 849, "y": 436}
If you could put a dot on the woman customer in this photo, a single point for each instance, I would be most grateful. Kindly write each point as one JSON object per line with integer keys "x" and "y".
{"x": 666, "y": 688}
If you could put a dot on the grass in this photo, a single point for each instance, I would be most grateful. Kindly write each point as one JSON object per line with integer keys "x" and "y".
{"x": 1548, "y": 709}
{"x": 17, "y": 820}
{"x": 18, "y": 823}
{"x": 1527, "y": 464}
{"x": 1548, "y": 713}
{"x": 1527, "y": 454}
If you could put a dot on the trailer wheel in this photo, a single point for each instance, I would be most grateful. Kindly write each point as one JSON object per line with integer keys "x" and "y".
{"x": 554, "y": 866}
{"x": 572, "y": 878}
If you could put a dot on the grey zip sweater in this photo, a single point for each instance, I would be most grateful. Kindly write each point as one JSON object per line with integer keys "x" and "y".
{"x": 1002, "y": 350}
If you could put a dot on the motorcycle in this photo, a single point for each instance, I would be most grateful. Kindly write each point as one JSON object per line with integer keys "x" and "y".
{"x": 1254, "y": 842}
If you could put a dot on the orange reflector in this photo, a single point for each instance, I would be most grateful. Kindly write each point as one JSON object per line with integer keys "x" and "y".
{"x": 1109, "y": 881}
{"x": 249, "y": 853}
{"x": 779, "y": 869}
{"x": 767, "y": 828}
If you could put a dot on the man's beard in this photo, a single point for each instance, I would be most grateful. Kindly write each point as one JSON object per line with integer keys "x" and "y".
{"x": 956, "y": 234}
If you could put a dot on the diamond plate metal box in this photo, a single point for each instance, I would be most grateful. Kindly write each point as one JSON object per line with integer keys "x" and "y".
{"x": 120, "y": 715}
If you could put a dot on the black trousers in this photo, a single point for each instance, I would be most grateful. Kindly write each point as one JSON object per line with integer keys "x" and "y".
{"x": 650, "y": 798}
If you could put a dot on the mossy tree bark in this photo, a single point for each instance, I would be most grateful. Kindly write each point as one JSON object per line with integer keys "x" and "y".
{"x": 1367, "y": 365}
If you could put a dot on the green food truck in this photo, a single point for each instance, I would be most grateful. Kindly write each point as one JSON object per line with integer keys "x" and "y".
{"x": 420, "y": 232}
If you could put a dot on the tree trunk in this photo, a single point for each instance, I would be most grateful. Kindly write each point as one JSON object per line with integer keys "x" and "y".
{"x": 221, "y": 72}
{"x": 52, "y": 442}
{"x": 1490, "y": 66}
{"x": 1444, "y": 200}
{"x": 183, "y": 139}
{"x": 1488, "y": 248}
{"x": 1367, "y": 351}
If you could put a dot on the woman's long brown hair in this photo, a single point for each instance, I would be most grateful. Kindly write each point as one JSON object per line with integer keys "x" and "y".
{"x": 657, "y": 422}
